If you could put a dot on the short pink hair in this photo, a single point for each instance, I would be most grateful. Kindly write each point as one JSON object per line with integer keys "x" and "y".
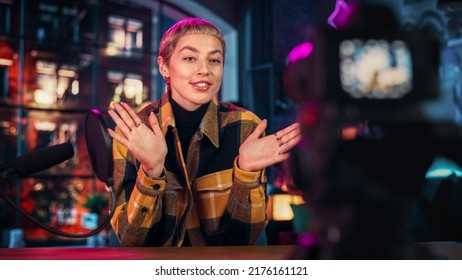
{"x": 185, "y": 27}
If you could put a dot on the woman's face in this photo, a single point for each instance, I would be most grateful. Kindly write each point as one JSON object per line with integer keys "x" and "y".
{"x": 195, "y": 70}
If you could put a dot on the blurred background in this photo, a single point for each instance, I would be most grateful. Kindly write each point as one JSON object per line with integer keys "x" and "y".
{"x": 59, "y": 59}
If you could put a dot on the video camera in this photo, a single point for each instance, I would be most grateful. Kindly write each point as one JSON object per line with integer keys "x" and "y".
{"x": 374, "y": 74}
{"x": 376, "y": 71}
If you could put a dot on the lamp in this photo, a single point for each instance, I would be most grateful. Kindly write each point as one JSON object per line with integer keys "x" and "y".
{"x": 280, "y": 206}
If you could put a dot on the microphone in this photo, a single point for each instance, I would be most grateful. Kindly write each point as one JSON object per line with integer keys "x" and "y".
{"x": 39, "y": 160}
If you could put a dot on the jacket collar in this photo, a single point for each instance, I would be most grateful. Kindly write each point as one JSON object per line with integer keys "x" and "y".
{"x": 209, "y": 125}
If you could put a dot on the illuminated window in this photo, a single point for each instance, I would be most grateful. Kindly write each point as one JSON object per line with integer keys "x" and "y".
{"x": 48, "y": 22}
{"x": 125, "y": 37}
{"x": 55, "y": 84}
{"x": 126, "y": 87}
{"x": 6, "y": 61}
{"x": 56, "y": 22}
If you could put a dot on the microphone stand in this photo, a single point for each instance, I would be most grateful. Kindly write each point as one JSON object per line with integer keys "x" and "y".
{"x": 98, "y": 141}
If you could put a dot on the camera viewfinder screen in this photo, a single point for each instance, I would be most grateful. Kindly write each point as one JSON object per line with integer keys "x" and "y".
{"x": 375, "y": 69}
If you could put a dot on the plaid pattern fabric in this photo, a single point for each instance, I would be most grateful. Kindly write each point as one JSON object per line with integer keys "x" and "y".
{"x": 203, "y": 192}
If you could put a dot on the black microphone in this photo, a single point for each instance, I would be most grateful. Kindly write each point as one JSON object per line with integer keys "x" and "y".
{"x": 39, "y": 160}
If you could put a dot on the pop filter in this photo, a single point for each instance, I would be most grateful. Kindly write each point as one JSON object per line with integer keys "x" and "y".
{"x": 99, "y": 146}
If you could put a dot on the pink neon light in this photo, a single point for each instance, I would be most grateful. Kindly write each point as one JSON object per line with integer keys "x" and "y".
{"x": 300, "y": 51}
{"x": 342, "y": 14}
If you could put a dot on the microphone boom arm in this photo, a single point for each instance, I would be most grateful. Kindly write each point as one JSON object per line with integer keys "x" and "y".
{"x": 59, "y": 232}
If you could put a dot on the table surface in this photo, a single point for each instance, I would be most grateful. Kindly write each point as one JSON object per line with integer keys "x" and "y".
{"x": 276, "y": 252}
{"x": 441, "y": 250}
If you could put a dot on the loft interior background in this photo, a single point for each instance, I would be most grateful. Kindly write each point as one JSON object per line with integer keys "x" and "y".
{"x": 58, "y": 59}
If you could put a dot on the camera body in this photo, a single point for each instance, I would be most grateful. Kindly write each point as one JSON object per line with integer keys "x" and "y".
{"x": 372, "y": 69}
{"x": 381, "y": 75}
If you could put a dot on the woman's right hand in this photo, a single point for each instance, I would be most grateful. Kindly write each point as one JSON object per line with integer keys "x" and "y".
{"x": 146, "y": 145}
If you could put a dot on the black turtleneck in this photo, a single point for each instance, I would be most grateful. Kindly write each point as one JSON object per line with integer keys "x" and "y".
{"x": 187, "y": 123}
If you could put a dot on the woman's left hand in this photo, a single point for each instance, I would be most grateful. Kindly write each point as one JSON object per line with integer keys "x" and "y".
{"x": 258, "y": 153}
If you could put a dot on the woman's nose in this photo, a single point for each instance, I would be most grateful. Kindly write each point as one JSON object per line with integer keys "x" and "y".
{"x": 202, "y": 67}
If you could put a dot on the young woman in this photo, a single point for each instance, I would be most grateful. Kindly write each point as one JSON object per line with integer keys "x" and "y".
{"x": 189, "y": 169}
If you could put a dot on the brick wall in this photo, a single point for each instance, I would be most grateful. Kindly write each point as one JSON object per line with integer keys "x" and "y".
{"x": 292, "y": 23}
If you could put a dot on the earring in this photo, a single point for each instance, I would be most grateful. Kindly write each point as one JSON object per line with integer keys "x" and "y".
{"x": 166, "y": 79}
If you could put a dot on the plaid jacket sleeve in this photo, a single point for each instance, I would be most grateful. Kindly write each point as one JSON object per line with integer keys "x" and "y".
{"x": 245, "y": 216}
{"x": 139, "y": 201}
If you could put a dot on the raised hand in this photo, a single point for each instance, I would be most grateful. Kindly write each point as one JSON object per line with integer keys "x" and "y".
{"x": 147, "y": 145}
{"x": 258, "y": 153}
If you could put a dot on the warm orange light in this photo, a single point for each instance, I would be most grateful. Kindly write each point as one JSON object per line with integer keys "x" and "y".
{"x": 133, "y": 89}
{"x": 281, "y": 206}
{"x": 43, "y": 97}
{"x": 6, "y": 62}
{"x": 349, "y": 133}
{"x": 75, "y": 87}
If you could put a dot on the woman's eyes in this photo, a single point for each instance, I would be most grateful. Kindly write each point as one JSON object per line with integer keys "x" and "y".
{"x": 212, "y": 60}
{"x": 215, "y": 60}
{"x": 189, "y": 58}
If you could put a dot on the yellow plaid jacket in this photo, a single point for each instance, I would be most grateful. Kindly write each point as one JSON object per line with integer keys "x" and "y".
{"x": 206, "y": 195}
